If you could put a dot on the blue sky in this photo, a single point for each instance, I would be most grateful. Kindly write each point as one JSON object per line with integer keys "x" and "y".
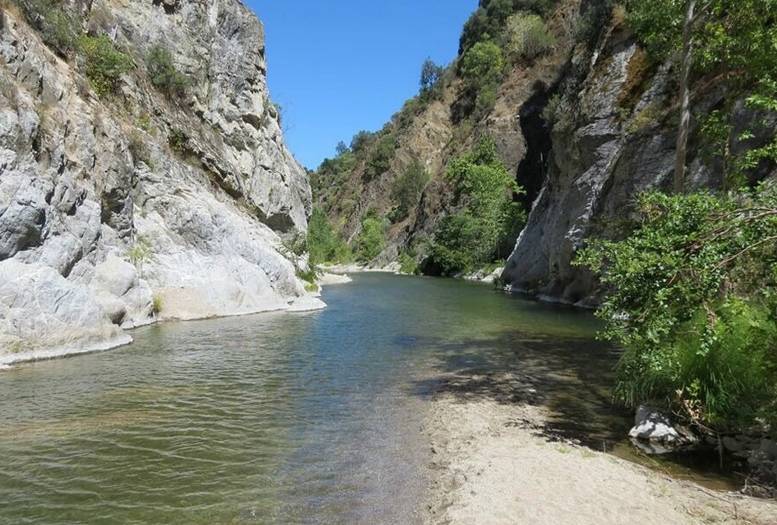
{"x": 340, "y": 66}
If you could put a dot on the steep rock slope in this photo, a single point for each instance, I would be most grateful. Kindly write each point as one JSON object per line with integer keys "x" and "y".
{"x": 614, "y": 137}
{"x": 433, "y": 133}
{"x": 114, "y": 206}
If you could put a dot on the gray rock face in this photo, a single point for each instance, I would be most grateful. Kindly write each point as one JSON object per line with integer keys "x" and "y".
{"x": 112, "y": 206}
{"x": 606, "y": 150}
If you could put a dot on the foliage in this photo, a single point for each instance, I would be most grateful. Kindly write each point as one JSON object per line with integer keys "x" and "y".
{"x": 324, "y": 245}
{"x": 482, "y": 68}
{"x": 381, "y": 155}
{"x": 342, "y": 148}
{"x": 431, "y": 80}
{"x": 157, "y": 304}
{"x": 58, "y": 28}
{"x": 733, "y": 39}
{"x": 361, "y": 141}
{"x": 103, "y": 63}
{"x": 488, "y": 217}
{"x": 593, "y": 19}
{"x": 372, "y": 238}
{"x": 407, "y": 190}
{"x": 528, "y": 36}
{"x": 177, "y": 140}
{"x": 294, "y": 245}
{"x": 332, "y": 173}
{"x": 408, "y": 264}
{"x": 487, "y": 22}
{"x": 310, "y": 276}
{"x": 140, "y": 253}
{"x": 163, "y": 73}
{"x": 692, "y": 297}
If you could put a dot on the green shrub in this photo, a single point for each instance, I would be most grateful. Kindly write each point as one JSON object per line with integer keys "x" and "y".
{"x": 408, "y": 264}
{"x": 489, "y": 20}
{"x": 157, "y": 304}
{"x": 324, "y": 245}
{"x": 489, "y": 218}
{"x": 58, "y": 28}
{"x": 692, "y": 297}
{"x": 361, "y": 141}
{"x": 528, "y": 36}
{"x": 482, "y": 69}
{"x": 407, "y": 190}
{"x": 381, "y": 156}
{"x": 309, "y": 276}
{"x": 483, "y": 64}
{"x": 177, "y": 140}
{"x": 163, "y": 73}
{"x": 103, "y": 63}
{"x": 371, "y": 240}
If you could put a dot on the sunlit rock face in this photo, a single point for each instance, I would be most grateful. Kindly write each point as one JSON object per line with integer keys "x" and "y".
{"x": 114, "y": 206}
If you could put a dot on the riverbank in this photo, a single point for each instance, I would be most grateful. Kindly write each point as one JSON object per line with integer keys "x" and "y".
{"x": 493, "y": 465}
{"x": 116, "y": 337}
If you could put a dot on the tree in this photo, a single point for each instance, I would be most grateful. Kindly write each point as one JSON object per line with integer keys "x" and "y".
{"x": 361, "y": 140}
{"x": 685, "y": 98}
{"x": 487, "y": 212}
{"x": 734, "y": 39}
{"x": 431, "y": 74}
{"x": 482, "y": 68}
{"x": 342, "y": 148}
{"x": 408, "y": 188}
{"x": 372, "y": 238}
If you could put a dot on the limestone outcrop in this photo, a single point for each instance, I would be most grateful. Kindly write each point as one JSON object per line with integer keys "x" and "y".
{"x": 121, "y": 209}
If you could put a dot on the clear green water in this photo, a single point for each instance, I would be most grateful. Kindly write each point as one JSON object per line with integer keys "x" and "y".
{"x": 288, "y": 418}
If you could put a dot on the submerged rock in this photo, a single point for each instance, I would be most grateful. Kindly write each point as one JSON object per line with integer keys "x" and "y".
{"x": 655, "y": 432}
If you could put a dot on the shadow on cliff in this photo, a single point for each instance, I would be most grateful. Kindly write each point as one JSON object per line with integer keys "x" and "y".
{"x": 571, "y": 377}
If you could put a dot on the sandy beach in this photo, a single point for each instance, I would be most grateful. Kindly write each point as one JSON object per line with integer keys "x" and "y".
{"x": 490, "y": 466}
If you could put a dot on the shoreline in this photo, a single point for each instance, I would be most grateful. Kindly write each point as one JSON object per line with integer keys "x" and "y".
{"x": 490, "y": 465}
{"x": 309, "y": 303}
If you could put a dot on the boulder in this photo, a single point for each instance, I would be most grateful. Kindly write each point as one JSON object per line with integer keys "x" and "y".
{"x": 655, "y": 432}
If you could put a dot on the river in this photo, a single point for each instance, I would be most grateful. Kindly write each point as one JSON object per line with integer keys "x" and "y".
{"x": 290, "y": 418}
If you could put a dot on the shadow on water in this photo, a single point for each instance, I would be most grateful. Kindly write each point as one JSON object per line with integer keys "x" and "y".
{"x": 573, "y": 379}
{"x": 569, "y": 376}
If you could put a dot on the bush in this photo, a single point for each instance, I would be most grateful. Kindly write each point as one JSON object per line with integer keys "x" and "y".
{"x": 371, "y": 239}
{"x": 481, "y": 68}
{"x": 163, "y": 73}
{"x": 693, "y": 299}
{"x": 407, "y": 190}
{"x": 408, "y": 264}
{"x": 324, "y": 245}
{"x": 488, "y": 21}
{"x": 482, "y": 65}
{"x": 528, "y": 36}
{"x": 58, "y": 28}
{"x": 381, "y": 156}
{"x": 361, "y": 141}
{"x": 103, "y": 63}
{"x": 489, "y": 218}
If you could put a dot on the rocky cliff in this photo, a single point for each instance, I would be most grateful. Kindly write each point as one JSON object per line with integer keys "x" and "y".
{"x": 614, "y": 132}
{"x": 584, "y": 127}
{"x": 118, "y": 209}
{"x": 435, "y": 132}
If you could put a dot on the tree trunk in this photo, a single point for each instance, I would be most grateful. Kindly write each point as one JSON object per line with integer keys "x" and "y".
{"x": 685, "y": 98}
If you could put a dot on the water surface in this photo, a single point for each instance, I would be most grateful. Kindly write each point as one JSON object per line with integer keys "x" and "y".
{"x": 289, "y": 418}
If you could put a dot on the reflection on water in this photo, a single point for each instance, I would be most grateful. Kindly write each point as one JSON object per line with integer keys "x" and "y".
{"x": 301, "y": 418}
